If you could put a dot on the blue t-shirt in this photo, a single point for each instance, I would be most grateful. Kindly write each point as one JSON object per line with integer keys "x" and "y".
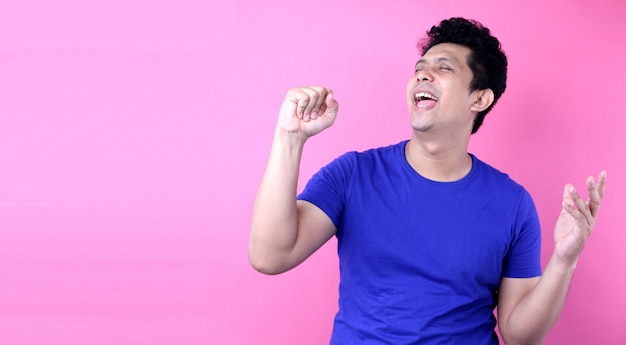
{"x": 421, "y": 261}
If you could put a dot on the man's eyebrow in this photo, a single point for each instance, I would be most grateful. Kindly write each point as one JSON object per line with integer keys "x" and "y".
{"x": 439, "y": 59}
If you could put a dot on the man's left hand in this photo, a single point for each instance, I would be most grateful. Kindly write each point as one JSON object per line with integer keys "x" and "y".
{"x": 576, "y": 220}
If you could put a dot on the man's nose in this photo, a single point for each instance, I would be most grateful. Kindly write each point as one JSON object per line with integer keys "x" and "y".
{"x": 424, "y": 75}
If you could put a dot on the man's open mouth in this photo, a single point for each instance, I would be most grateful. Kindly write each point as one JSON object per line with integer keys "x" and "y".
{"x": 425, "y": 100}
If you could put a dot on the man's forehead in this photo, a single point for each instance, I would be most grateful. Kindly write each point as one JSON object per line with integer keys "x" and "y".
{"x": 446, "y": 52}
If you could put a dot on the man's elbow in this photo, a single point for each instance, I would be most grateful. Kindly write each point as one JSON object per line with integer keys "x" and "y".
{"x": 264, "y": 265}
{"x": 510, "y": 339}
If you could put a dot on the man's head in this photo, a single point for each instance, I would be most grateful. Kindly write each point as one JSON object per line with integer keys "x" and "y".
{"x": 486, "y": 59}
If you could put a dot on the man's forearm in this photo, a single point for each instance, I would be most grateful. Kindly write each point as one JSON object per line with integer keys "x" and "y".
{"x": 534, "y": 316}
{"x": 274, "y": 219}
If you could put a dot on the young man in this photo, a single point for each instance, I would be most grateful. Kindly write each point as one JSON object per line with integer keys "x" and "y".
{"x": 430, "y": 238}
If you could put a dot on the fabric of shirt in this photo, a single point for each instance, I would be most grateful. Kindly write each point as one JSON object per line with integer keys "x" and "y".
{"x": 420, "y": 260}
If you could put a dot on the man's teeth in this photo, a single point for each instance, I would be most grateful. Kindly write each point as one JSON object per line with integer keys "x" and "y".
{"x": 424, "y": 95}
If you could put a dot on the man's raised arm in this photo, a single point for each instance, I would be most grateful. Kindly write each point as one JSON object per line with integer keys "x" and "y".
{"x": 284, "y": 232}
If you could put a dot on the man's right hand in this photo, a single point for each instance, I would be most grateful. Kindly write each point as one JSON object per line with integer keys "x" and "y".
{"x": 285, "y": 231}
{"x": 307, "y": 111}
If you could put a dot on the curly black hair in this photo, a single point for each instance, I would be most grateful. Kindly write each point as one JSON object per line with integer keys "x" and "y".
{"x": 486, "y": 60}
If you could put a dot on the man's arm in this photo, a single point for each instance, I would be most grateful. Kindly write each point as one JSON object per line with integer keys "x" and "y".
{"x": 284, "y": 232}
{"x": 529, "y": 308}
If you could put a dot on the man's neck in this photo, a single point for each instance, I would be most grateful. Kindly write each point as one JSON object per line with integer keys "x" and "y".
{"x": 439, "y": 161}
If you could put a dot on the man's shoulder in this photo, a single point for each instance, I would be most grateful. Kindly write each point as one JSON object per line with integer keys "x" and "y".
{"x": 382, "y": 152}
{"x": 368, "y": 162}
{"x": 496, "y": 177}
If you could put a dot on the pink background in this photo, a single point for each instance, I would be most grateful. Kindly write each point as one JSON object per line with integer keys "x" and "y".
{"x": 134, "y": 133}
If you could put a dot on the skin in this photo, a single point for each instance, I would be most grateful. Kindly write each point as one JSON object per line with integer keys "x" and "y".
{"x": 438, "y": 146}
{"x": 285, "y": 231}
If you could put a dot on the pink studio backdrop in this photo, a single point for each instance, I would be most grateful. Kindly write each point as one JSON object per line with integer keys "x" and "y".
{"x": 134, "y": 133}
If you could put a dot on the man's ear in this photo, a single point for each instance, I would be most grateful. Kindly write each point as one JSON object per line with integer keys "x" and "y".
{"x": 484, "y": 98}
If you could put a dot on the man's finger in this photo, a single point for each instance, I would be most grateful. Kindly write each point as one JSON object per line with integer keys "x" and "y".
{"x": 601, "y": 184}
{"x": 594, "y": 196}
{"x": 580, "y": 205}
{"x": 297, "y": 102}
{"x": 331, "y": 104}
{"x": 316, "y": 96}
{"x": 596, "y": 192}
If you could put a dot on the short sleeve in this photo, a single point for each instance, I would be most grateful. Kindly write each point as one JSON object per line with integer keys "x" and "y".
{"x": 523, "y": 257}
{"x": 327, "y": 189}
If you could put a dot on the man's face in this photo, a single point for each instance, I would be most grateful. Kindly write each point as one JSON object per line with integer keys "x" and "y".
{"x": 438, "y": 93}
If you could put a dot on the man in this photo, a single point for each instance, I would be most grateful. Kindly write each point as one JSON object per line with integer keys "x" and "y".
{"x": 430, "y": 238}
